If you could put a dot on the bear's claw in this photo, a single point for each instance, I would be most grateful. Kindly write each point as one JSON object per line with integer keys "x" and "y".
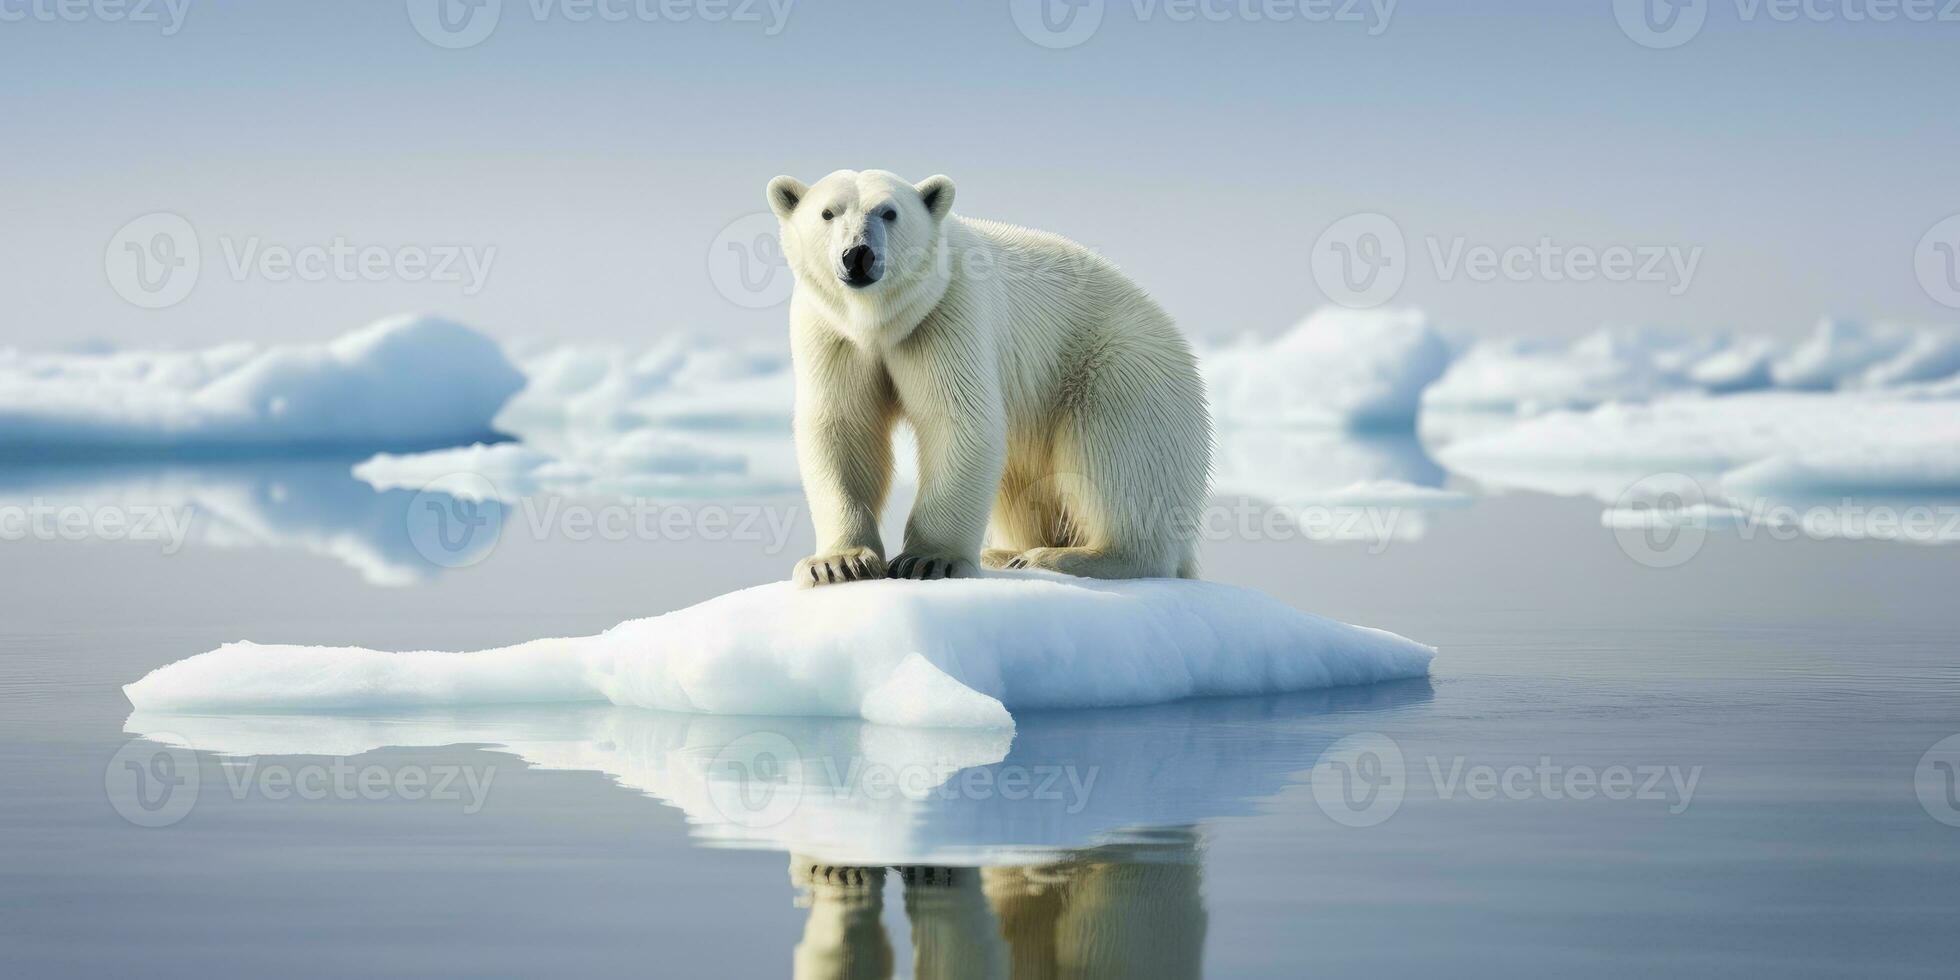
{"x": 850, "y": 566}
{"x": 925, "y": 567}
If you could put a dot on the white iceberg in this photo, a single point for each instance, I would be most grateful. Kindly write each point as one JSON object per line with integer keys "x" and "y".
{"x": 961, "y": 653}
{"x": 1837, "y": 353}
{"x": 1823, "y": 443}
{"x": 1639, "y": 365}
{"x": 680, "y": 420}
{"x": 403, "y": 383}
{"x": 1338, "y": 367}
{"x": 1528, "y": 377}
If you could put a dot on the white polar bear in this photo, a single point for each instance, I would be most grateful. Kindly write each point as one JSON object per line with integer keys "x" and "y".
{"x": 1043, "y": 386}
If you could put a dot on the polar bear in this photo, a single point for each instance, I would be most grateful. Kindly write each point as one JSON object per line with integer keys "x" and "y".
{"x": 1046, "y": 390}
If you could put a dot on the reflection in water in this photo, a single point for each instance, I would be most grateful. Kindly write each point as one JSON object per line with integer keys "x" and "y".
{"x": 845, "y": 792}
{"x": 310, "y": 505}
{"x": 1119, "y": 911}
{"x": 1330, "y": 473}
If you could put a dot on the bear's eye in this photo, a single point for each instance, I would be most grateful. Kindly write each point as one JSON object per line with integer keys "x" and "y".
{"x": 891, "y": 214}
{"x": 827, "y": 215}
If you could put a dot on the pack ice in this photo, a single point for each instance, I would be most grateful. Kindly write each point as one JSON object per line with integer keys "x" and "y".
{"x": 952, "y": 653}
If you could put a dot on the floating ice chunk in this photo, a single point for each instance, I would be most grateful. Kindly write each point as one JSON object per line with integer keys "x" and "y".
{"x": 1529, "y": 377}
{"x": 1932, "y": 355}
{"x": 858, "y": 650}
{"x": 640, "y": 463}
{"x": 403, "y": 383}
{"x": 1838, "y": 443}
{"x": 1338, "y": 367}
{"x": 1904, "y": 467}
{"x": 1836, "y": 353}
{"x": 1741, "y": 366}
{"x": 919, "y": 695}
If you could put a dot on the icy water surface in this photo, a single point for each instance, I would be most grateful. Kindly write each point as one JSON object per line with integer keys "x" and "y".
{"x": 1726, "y": 766}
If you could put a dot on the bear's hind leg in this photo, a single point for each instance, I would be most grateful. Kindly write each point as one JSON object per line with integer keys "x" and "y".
{"x": 1087, "y": 563}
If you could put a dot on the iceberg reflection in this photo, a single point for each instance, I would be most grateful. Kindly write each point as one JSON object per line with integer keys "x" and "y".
{"x": 313, "y": 506}
{"x": 844, "y": 792}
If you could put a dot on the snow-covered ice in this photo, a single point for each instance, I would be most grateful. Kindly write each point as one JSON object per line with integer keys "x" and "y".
{"x": 1528, "y": 377}
{"x": 403, "y": 383}
{"x": 1841, "y": 443}
{"x": 675, "y": 421}
{"x": 960, "y": 653}
{"x": 1338, "y": 367}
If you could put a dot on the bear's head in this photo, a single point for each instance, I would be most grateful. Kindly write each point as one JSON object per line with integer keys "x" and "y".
{"x": 861, "y": 233}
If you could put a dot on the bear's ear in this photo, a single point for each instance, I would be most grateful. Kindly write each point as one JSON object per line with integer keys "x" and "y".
{"x": 784, "y": 193}
{"x": 937, "y": 193}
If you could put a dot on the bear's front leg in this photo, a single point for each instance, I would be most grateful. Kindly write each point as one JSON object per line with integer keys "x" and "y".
{"x": 844, "y": 414}
{"x": 961, "y": 423}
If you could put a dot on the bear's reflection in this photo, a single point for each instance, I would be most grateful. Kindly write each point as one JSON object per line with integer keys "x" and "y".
{"x": 1125, "y": 910}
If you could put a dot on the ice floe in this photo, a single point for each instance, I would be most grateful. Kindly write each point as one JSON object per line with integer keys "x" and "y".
{"x": 1636, "y": 365}
{"x": 961, "y": 653}
{"x": 1338, "y": 367}
{"x": 1768, "y": 441}
{"x": 403, "y": 383}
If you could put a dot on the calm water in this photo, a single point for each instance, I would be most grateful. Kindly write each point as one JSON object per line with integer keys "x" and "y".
{"x": 1749, "y": 732}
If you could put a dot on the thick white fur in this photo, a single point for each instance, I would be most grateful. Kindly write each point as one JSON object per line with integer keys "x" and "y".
{"x": 1045, "y": 389}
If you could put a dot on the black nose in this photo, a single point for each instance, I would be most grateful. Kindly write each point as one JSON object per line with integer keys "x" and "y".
{"x": 860, "y": 266}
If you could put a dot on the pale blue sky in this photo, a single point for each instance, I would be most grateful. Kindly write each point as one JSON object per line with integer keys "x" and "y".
{"x": 600, "y": 160}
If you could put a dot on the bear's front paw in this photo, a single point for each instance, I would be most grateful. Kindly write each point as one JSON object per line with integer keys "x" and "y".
{"x": 922, "y": 566}
{"x": 853, "y": 565}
